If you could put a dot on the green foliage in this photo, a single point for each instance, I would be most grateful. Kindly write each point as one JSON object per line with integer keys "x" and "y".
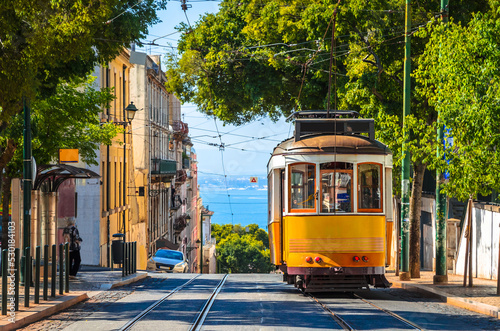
{"x": 42, "y": 42}
{"x": 459, "y": 75}
{"x": 68, "y": 119}
{"x": 256, "y": 58}
{"x": 242, "y": 250}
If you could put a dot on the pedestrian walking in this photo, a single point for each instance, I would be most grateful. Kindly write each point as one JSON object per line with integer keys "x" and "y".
{"x": 72, "y": 236}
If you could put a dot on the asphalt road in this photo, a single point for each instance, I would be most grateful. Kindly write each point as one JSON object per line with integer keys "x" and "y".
{"x": 258, "y": 302}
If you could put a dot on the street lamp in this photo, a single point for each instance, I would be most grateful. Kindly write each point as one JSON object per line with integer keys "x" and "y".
{"x": 201, "y": 242}
{"x": 128, "y": 113}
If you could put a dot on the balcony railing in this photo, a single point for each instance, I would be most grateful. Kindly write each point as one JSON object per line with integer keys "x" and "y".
{"x": 181, "y": 177}
{"x": 180, "y": 126}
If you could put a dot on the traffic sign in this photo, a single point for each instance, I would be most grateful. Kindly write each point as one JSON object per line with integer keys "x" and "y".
{"x": 254, "y": 179}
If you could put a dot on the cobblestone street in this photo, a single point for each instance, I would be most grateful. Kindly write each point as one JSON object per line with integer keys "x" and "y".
{"x": 98, "y": 301}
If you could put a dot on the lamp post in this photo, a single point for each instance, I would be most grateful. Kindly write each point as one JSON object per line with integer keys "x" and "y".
{"x": 129, "y": 114}
{"x": 201, "y": 242}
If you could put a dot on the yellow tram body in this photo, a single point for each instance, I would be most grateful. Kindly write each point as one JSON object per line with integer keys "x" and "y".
{"x": 334, "y": 239}
{"x": 330, "y": 205}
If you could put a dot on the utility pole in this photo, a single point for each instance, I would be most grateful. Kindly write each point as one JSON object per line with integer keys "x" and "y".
{"x": 441, "y": 276}
{"x": 27, "y": 185}
{"x": 405, "y": 171}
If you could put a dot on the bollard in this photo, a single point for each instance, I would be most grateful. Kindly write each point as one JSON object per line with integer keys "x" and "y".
{"x": 135, "y": 256}
{"x": 123, "y": 259}
{"x": 16, "y": 278}
{"x": 128, "y": 258}
{"x": 45, "y": 272}
{"x": 53, "y": 277}
{"x": 4, "y": 282}
{"x": 27, "y": 276}
{"x": 61, "y": 269}
{"x": 66, "y": 284}
{"x": 111, "y": 258}
{"x": 124, "y": 262}
{"x": 37, "y": 273}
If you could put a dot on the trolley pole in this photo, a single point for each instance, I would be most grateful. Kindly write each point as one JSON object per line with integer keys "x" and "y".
{"x": 441, "y": 276}
{"x": 405, "y": 173}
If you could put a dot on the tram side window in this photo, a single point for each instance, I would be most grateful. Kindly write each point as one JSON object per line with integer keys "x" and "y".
{"x": 369, "y": 186}
{"x": 336, "y": 187}
{"x": 302, "y": 186}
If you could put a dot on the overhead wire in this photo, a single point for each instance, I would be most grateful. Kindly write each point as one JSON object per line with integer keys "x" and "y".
{"x": 224, "y": 170}
{"x": 123, "y": 12}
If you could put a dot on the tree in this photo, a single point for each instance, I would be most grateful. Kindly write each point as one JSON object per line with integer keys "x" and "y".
{"x": 68, "y": 119}
{"x": 459, "y": 75}
{"x": 257, "y": 58}
{"x": 45, "y": 41}
{"x": 242, "y": 251}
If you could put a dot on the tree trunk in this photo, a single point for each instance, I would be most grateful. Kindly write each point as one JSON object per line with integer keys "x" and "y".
{"x": 415, "y": 211}
{"x": 6, "y": 181}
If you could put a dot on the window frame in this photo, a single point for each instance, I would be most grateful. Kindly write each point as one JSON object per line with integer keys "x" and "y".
{"x": 381, "y": 186}
{"x": 289, "y": 189}
{"x": 346, "y": 171}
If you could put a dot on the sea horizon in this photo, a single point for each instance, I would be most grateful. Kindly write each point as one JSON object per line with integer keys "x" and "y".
{"x": 243, "y": 202}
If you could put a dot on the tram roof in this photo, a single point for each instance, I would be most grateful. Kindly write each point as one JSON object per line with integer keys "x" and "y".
{"x": 328, "y": 144}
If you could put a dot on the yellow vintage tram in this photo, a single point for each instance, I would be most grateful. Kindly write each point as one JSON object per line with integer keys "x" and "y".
{"x": 330, "y": 203}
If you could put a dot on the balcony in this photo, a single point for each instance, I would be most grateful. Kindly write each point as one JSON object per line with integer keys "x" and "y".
{"x": 180, "y": 224}
{"x": 163, "y": 167}
{"x": 181, "y": 177}
{"x": 181, "y": 130}
{"x": 176, "y": 202}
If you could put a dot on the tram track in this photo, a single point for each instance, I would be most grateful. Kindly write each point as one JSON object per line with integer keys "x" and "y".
{"x": 396, "y": 316}
{"x": 201, "y": 315}
{"x": 344, "y": 323}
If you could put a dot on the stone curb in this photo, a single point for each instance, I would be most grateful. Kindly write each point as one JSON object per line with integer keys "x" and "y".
{"x": 42, "y": 310}
{"x": 130, "y": 280}
{"x": 450, "y": 299}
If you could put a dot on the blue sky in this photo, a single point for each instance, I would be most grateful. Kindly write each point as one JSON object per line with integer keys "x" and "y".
{"x": 247, "y": 148}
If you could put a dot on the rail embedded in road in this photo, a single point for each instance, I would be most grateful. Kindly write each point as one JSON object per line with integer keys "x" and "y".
{"x": 339, "y": 320}
{"x": 146, "y": 311}
{"x": 402, "y": 319}
{"x": 206, "y": 308}
{"x": 346, "y": 326}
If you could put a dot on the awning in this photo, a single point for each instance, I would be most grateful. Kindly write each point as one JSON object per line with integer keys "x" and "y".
{"x": 56, "y": 174}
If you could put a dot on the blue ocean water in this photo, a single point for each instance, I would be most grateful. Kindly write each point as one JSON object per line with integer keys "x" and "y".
{"x": 248, "y": 204}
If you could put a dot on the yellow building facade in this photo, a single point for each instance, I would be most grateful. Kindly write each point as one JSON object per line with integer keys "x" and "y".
{"x": 116, "y": 161}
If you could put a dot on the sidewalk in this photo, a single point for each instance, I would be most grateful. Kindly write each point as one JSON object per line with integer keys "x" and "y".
{"x": 481, "y": 297}
{"x": 90, "y": 282}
